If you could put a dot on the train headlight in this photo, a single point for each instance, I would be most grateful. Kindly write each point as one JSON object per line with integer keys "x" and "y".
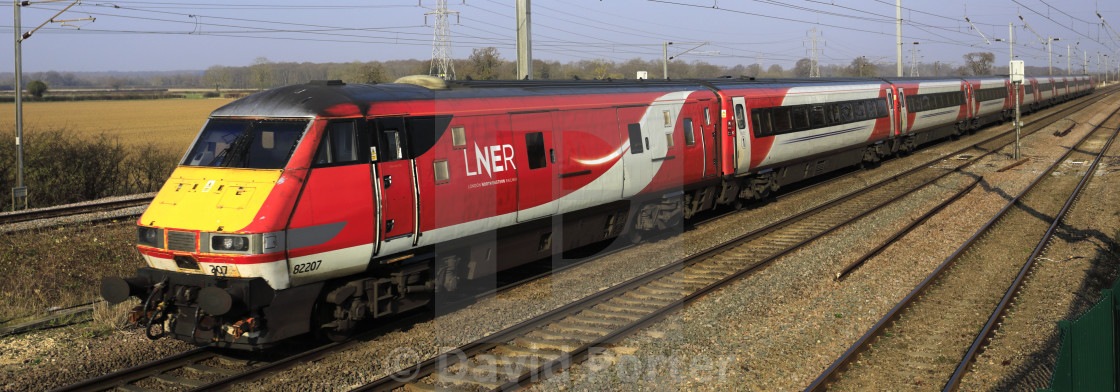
{"x": 149, "y": 236}
{"x": 229, "y": 243}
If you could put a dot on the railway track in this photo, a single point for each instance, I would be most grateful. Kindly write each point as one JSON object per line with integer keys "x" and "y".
{"x": 72, "y": 210}
{"x": 530, "y": 351}
{"x": 930, "y": 338}
{"x": 207, "y": 369}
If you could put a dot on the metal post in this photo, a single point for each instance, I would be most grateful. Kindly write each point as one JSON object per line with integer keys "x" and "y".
{"x": 1018, "y": 123}
{"x": 1069, "y": 71}
{"x": 1050, "y": 53}
{"x": 898, "y": 33}
{"x": 1011, "y": 40}
{"x": 665, "y": 60}
{"x": 19, "y": 193}
{"x": 524, "y": 41}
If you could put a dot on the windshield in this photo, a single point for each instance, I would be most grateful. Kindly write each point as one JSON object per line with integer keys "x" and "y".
{"x": 250, "y": 144}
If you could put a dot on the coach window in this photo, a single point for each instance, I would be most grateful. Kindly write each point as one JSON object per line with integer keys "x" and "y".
{"x": 833, "y": 114}
{"x": 845, "y": 112}
{"x": 817, "y": 117}
{"x": 740, "y": 117}
{"x": 689, "y": 137}
{"x": 800, "y": 117}
{"x": 534, "y": 146}
{"x": 860, "y": 111}
{"x": 761, "y": 119}
{"x": 781, "y": 122}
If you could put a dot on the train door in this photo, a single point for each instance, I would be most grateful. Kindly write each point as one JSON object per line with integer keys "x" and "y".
{"x": 394, "y": 174}
{"x": 536, "y": 168}
{"x": 904, "y": 114}
{"x": 895, "y": 129}
{"x": 706, "y": 135}
{"x": 742, "y": 135}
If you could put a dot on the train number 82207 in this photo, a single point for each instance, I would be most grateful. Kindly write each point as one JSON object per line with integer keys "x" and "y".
{"x": 306, "y": 267}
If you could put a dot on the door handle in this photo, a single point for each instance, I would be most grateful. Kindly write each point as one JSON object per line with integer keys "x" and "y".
{"x": 552, "y": 156}
{"x": 388, "y": 181}
{"x": 388, "y": 226}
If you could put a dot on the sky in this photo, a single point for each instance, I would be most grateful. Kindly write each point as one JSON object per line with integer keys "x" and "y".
{"x": 169, "y": 35}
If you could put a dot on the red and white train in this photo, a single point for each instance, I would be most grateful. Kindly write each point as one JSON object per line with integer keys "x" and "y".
{"x": 318, "y": 206}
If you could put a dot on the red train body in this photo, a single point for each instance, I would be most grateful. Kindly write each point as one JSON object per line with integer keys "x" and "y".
{"x": 319, "y": 206}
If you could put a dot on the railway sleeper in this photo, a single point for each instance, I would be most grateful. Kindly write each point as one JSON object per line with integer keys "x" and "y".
{"x": 621, "y": 309}
{"x": 517, "y": 361}
{"x": 648, "y": 292}
{"x": 638, "y": 304}
{"x": 674, "y": 286}
{"x": 608, "y": 322}
{"x": 491, "y": 370}
{"x": 466, "y": 380}
{"x": 180, "y": 381}
{"x": 652, "y": 289}
{"x": 545, "y": 344}
{"x": 555, "y": 334}
{"x": 587, "y": 332}
{"x": 606, "y": 314}
{"x": 514, "y": 350}
{"x": 210, "y": 370}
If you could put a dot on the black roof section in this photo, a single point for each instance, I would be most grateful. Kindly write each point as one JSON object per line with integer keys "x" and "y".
{"x": 316, "y": 97}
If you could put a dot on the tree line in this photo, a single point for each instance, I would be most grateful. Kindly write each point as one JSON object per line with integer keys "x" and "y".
{"x": 488, "y": 63}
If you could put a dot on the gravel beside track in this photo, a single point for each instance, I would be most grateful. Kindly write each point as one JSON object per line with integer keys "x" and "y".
{"x": 1066, "y": 281}
{"x": 922, "y": 348}
{"x": 779, "y": 329}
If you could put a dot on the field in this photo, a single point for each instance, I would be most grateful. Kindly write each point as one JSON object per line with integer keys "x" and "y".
{"x": 170, "y": 123}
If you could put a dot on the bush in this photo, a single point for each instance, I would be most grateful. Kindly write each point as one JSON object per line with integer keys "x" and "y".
{"x": 37, "y": 88}
{"x": 62, "y": 167}
{"x": 211, "y": 94}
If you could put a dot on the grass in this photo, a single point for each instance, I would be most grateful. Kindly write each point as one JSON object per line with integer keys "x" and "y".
{"x": 62, "y": 266}
{"x": 171, "y": 123}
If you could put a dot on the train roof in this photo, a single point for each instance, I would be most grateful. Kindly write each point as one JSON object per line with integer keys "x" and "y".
{"x": 317, "y": 98}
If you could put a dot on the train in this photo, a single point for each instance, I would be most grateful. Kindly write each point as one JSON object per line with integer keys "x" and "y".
{"x": 319, "y": 207}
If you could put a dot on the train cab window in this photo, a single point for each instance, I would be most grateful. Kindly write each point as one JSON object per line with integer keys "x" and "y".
{"x": 534, "y": 147}
{"x": 689, "y": 135}
{"x": 707, "y": 116}
{"x": 339, "y": 144}
{"x": 740, "y": 116}
{"x": 243, "y": 143}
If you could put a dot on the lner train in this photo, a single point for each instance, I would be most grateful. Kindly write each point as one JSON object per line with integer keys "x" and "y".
{"x": 318, "y": 206}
